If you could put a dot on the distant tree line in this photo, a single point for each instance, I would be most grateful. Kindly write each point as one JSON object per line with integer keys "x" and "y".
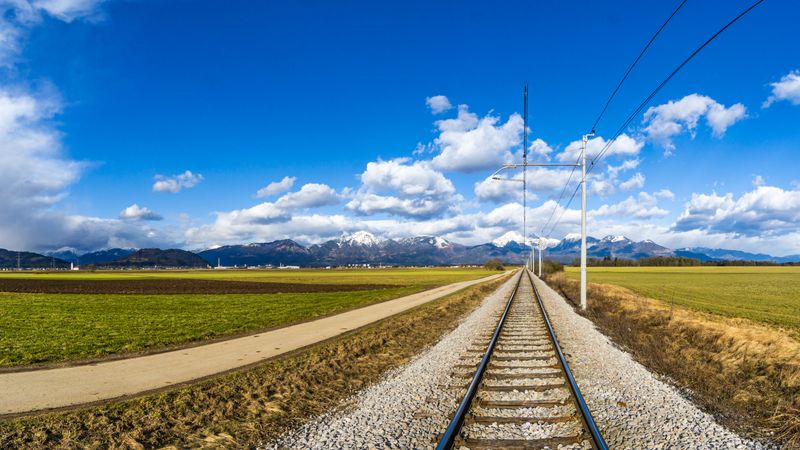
{"x": 673, "y": 261}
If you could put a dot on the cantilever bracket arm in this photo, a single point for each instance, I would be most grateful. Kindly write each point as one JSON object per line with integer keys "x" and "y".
{"x": 496, "y": 174}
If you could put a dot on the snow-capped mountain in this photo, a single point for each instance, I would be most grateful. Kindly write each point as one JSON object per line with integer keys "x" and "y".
{"x": 510, "y": 237}
{"x": 359, "y": 238}
{"x": 365, "y": 248}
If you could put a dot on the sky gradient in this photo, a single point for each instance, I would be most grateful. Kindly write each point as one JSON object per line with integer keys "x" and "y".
{"x": 196, "y": 123}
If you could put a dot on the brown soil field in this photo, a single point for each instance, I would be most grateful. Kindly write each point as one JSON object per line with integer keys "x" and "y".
{"x": 171, "y": 286}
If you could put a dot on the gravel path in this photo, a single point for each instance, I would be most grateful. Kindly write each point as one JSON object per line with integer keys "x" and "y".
{"x": 411, "y": 406}
{"x": 633, "y": 408}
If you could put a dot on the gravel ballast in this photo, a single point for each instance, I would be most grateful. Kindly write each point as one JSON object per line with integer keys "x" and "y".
{"x": 411, "y": 407}
{"x": 631, "y": 406}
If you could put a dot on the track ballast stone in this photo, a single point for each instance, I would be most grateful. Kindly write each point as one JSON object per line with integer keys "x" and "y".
{"x": 631, "y": 406}
{"x": 412, "y": 406}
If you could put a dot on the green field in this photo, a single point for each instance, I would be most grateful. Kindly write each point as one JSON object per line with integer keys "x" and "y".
{"x": 402, "y": 277}
{"x": 765, "y": 294}
{"x": 38, "y": 328}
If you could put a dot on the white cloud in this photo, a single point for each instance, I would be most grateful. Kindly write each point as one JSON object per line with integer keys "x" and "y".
{"x": 665, "y": 194}
{"x": 498, "y": 190}
{"x": 407, "y": 178}
{"x": 634, "y": 182}
{"x": 368, "y": 204}
{"x": 626, "y": 165}
{"x": 69, "y": 10}
{"x": 276, "y": 187}
{"x": 176, "y": 183}
{"x": 540, "y": 148}
{"x": 643, "y": 206}
{"x": 404, "y": 188}
{"x": 758, "y": 180}
{"x": 765, "y": 211}
{"x": 438, "y": 104}
{"x": 624, "y": 145}
{"x": 311, "y": 195}
{"x": 17, "y": 17}
{"x": 788, "y": 88}
{"x": 470, "y": 144}
{"x": 136, "y": 212}
{"x": 663, "y": 122}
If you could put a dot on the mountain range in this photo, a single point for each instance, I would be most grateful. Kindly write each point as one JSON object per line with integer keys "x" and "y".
{"x": 364, "y": 248}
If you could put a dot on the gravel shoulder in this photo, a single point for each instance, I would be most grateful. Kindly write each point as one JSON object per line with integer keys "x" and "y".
{"x": 410, "y": 407}
{"x": 631, "y": 406}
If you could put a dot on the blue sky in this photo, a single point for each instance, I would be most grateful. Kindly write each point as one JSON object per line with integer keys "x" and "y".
{"x": 137, "y": 123}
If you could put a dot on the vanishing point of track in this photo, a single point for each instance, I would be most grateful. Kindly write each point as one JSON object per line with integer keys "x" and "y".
{"x": 520, "y": 393}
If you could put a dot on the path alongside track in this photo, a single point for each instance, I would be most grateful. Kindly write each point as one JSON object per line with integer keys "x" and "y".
{"x": 35, "y": 390}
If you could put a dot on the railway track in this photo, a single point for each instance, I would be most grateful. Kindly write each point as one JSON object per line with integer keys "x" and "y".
{"x": 520, "y": 393}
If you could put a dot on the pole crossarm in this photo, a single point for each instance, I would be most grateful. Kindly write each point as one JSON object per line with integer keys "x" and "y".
{"x": 495, "y": 175}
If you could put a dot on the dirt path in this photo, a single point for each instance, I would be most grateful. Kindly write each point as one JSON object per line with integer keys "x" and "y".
{"x": 36, "y": 390}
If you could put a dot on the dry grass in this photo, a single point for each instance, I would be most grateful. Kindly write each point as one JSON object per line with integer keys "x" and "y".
{"x": 746, "y": 374}
{"x": 244, "y": 408}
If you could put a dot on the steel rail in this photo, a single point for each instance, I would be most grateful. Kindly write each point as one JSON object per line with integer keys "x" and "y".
{"x": 597, "y": 438}
{"x": 451, "y": 434}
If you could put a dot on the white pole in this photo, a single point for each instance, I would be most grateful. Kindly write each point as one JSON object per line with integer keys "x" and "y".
{"x": 541, "y": 250}
{"x": 583, "y": 221}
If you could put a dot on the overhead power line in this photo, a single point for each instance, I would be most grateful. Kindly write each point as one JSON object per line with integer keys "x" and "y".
{"x": 642, "y": 105}
{"x": 636, "y": 61}
{"x": 608, "y": 102}
{"x": 658, "y": 88}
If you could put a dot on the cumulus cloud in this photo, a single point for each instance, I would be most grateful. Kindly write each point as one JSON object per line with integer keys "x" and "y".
{"x": 663, "y": 122}
{"x": 498, "y": 191}
{"x": 634, "y": 182}
{"x": 19, "y": 16}
{"x": 469, "y": 143}
{"x": 624, "y": 145}
{"x": 311, "y": 195}
{"x": 276, "y": 187}
{"x": 136, "y": 212}
{"x": 69, "y": 10}
{"x": 539, "y": 179}
{"x": 404, "y": 188}
{"x": 175, "y": 183}
{"x": 540, "y": 148}
{"x": 765, "y": 211}
{"x": 643, "y": 206}
{"x": 438, "y": 104}
{"x": 788, "y": 88}
{"x": 416, "y": 178}
{"x": 665, "y": 194}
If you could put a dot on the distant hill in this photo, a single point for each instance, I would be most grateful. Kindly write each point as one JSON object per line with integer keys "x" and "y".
{"x": 365, "y": 248}
{"x": 154, "y": 257}
{"x": 104, "y": 256}
{"x": 721, "y": 254}
{"x": 28, "y": 260}
{"x": 286, "y": 252}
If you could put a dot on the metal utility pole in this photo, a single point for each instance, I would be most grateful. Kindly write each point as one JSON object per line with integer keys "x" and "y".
{"x": 541, "y": 251}
{"x": 525, "y": 171}
{"x": 19, "y": 257}
{"x": 584, "y": 140}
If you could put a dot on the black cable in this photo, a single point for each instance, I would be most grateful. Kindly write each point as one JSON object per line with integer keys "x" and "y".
{"x": 625, "y": 77}
{"x": 663, "y": 83}
{"x": 608, "y": 102}
{"x": 569, "y": 202}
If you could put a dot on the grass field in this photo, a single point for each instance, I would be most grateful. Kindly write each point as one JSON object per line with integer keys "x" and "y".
{"x": 764, "y": 294}
{"x": 401, "y": 277}
{"x": 39, "y": 328}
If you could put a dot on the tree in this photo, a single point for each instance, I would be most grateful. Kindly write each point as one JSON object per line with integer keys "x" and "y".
{"x": 494, "y": 264}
